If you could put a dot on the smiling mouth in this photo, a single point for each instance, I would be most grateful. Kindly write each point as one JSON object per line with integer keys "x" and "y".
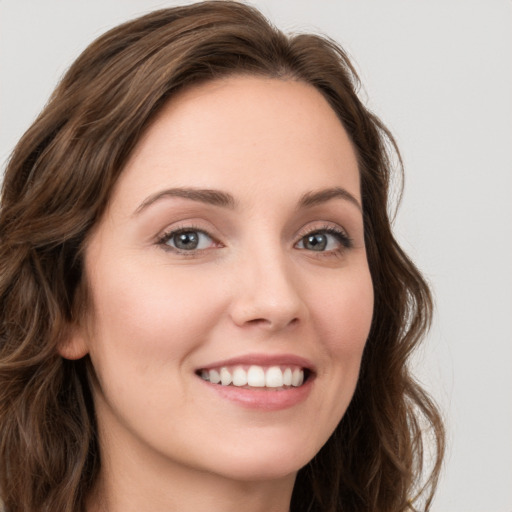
{"x": 257, "y": 377}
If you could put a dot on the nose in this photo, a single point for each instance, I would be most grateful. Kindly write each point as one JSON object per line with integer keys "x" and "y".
{"x": 267, "y": 293}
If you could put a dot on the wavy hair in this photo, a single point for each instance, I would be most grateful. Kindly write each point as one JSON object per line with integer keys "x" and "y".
{"x": 56, "y": 187}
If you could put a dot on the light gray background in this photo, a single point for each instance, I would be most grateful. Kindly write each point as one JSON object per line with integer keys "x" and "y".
{"x": 439, "y": 74}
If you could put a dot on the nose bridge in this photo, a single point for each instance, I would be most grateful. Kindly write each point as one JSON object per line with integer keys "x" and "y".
{"x": 268, "y": 291}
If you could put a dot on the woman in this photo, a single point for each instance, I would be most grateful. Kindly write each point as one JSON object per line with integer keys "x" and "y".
{"x": 202, "y": 300}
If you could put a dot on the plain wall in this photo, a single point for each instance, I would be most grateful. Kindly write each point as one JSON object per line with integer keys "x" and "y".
{"x": 439, "y": 74}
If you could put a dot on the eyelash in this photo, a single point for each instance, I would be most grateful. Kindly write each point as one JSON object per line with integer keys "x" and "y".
{"x": 342, "y": 237}
{"x": 168, "y": 235}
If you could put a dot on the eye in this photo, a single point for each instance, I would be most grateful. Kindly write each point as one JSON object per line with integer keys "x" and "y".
{"x": 187, "y": 240}
{"x": 325, "y": 240}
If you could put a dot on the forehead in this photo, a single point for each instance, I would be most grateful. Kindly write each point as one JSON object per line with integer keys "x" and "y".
{"x": 247, "y": 133}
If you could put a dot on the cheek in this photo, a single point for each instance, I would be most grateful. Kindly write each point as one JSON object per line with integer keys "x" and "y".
{"x": 346, "y": 315}
{"x": 145, "y": 327}
{"x": 343, "y": 322}
{"x": 341, "y": 317}
{"x": 155, "y": 316}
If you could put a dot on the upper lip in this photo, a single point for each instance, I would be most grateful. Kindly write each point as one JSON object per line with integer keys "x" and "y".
{"x": 263, "y": 360}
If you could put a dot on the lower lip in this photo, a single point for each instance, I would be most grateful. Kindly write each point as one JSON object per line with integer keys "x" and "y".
{"x": 263, "y": 398}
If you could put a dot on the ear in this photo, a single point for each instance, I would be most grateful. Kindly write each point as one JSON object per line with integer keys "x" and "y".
{"x": 73, "y": 344}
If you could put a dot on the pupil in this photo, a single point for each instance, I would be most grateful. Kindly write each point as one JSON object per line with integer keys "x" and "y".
{"x": 188, "y": 240}
{"x": 316, "y": 242}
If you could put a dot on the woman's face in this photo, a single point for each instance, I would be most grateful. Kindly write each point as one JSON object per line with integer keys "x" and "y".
{"x": 232, "y": 249}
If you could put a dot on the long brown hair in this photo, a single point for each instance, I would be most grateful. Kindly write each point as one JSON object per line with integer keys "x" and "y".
{"x": 57, "y": 184}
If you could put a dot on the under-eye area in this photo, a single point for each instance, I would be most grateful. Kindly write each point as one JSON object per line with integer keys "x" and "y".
{"x": 257, "y": 377}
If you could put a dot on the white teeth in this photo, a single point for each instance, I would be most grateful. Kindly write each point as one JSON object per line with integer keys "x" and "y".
{"x": 239, "y": 377}
{"x": 214, "y": 376}
{"x": 255, "y": 376}
{"x": 274, "y": 377}
{"x": 225, "y": 377}
{"x": 297, "y": 377}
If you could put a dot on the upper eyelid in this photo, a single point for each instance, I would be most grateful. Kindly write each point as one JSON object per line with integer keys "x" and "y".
{"x": 166, "y": 233}
{"x": 325, "y": 226}
{"x": 298, "y": 234}
{"x": 186, "y": 225}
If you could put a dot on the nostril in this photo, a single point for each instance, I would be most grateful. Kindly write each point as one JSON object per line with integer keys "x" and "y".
{"x": 256, "y": 321}
{"x": 272, "y": 324}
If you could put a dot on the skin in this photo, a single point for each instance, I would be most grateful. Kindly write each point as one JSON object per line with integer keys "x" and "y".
{"x": 167, "y": 441}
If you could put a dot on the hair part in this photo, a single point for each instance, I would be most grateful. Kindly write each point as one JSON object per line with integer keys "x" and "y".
{"x": 57, "y": 185}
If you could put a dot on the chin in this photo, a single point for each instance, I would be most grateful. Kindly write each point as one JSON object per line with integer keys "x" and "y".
{"x": 265, "y": 463}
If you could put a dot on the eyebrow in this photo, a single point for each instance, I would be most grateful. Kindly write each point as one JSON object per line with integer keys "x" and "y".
{"x": 322, "y": 196}
{"x": 208, "y": 196}
{"x": 226, "y": 200}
